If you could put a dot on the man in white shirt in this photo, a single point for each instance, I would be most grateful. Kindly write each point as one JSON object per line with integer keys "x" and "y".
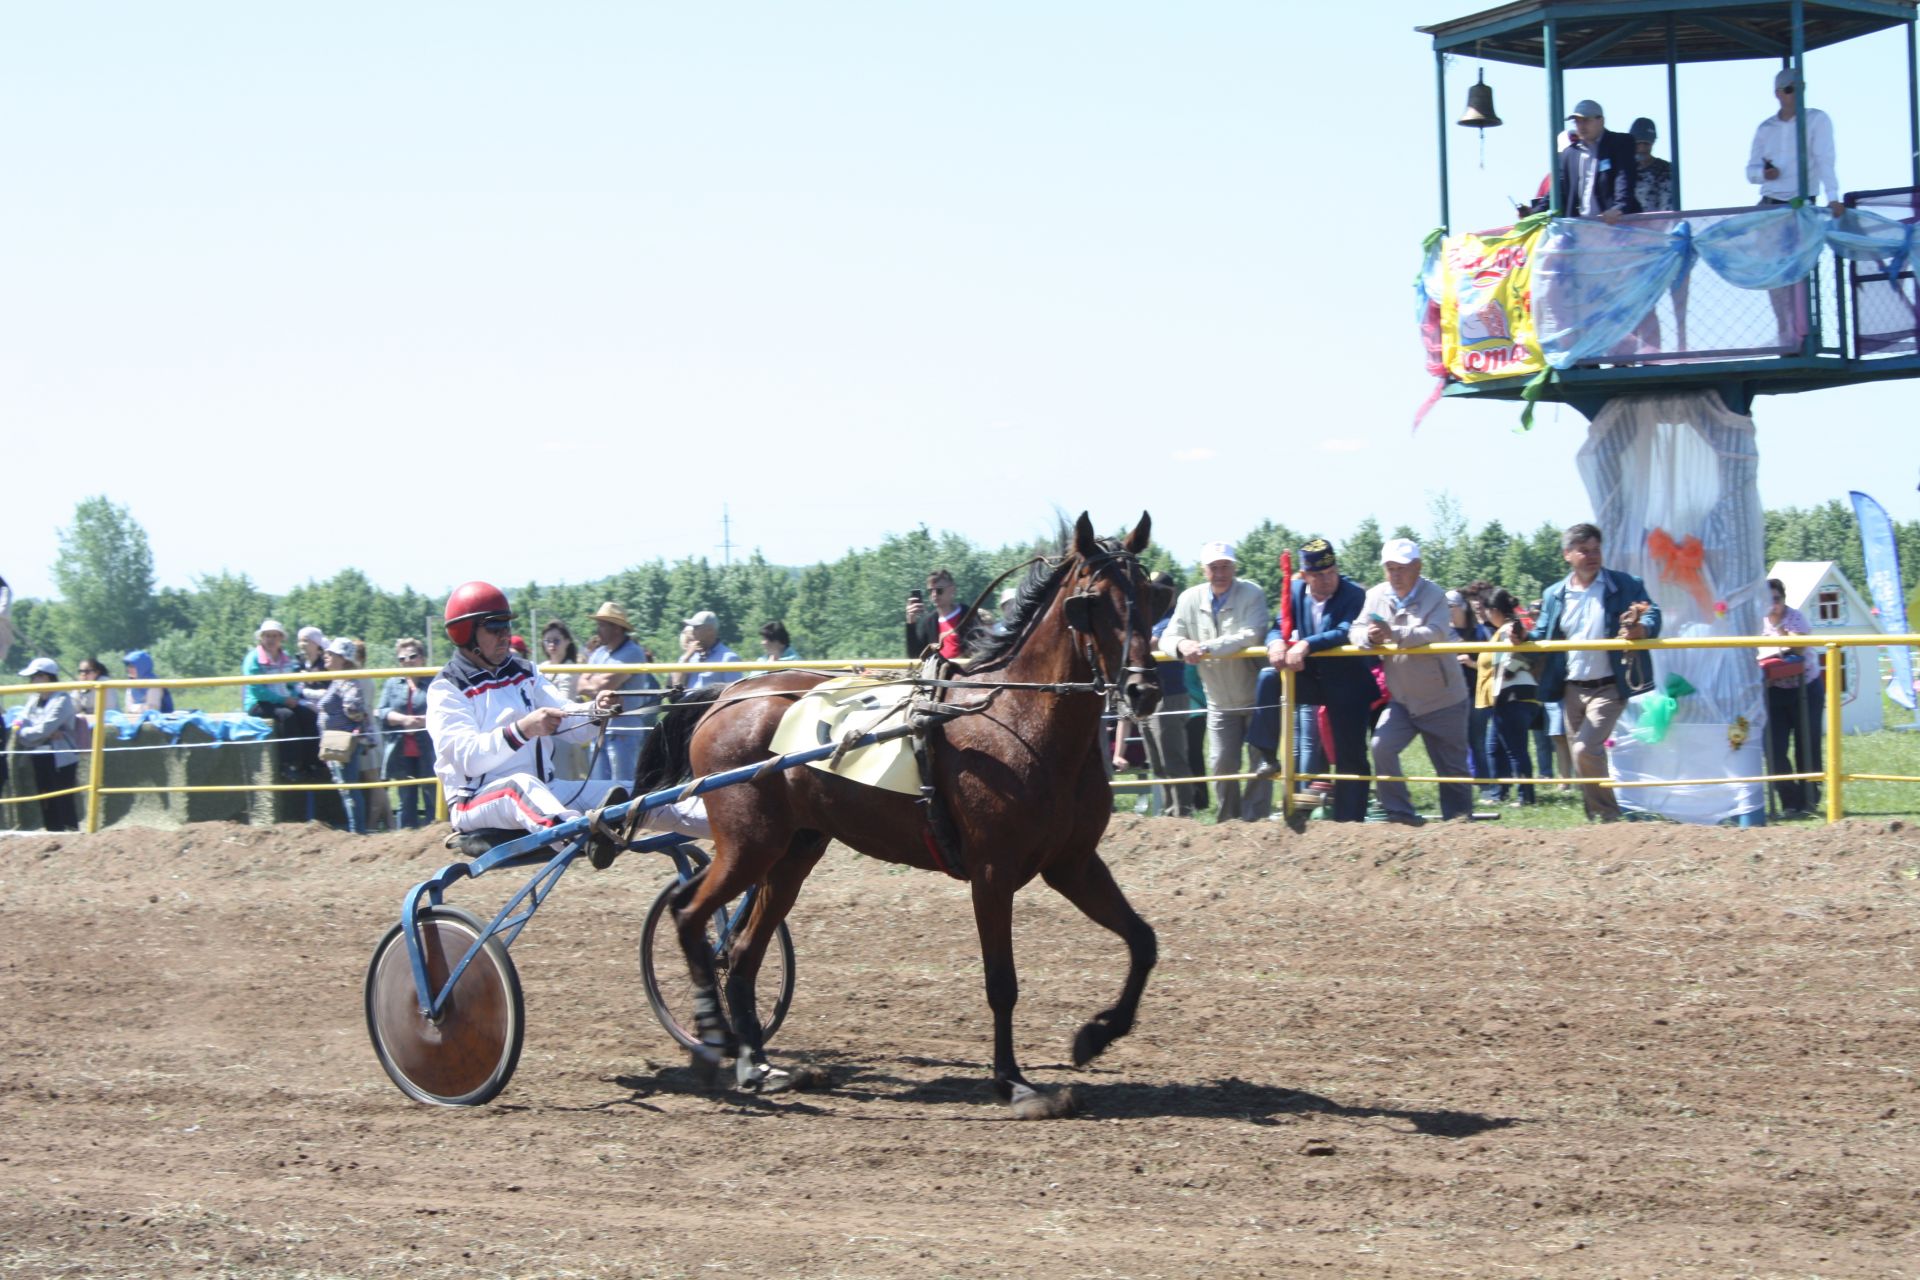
{"x": 1213, "y": 620}
{"x": 1773, "y": 164}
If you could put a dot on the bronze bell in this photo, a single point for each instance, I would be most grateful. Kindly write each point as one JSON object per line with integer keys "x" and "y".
{"x": 1480, "y": 114}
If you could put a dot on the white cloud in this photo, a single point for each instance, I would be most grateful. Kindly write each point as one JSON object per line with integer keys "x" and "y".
{"x": 1194, "y": 455}
{"x": 1344, "y": 446}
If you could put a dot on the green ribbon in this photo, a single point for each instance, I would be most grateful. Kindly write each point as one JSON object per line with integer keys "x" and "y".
{"x": 1656, "y": 710}
{"x": 1531, "y": 393}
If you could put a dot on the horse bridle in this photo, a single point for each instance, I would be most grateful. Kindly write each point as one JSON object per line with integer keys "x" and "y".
{"x": 1077, "y": 610}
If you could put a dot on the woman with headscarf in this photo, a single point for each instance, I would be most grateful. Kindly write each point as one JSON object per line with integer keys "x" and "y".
{"x": 312, "y": 642}
{"x": 341, "y": 706}
{"x": 140, "y": 667}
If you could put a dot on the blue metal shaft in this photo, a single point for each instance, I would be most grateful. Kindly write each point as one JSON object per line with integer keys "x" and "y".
{"x": 532, "y": 848}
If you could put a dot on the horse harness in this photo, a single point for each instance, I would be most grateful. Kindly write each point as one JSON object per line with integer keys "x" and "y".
{"x": 927, "y": 710}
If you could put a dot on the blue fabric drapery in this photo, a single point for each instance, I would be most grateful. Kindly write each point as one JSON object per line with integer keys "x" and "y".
{"x": 175, "y": 723}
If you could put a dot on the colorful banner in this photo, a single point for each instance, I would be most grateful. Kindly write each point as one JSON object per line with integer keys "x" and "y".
{"x": 1883, "y": 584}
{"x": 1486, "y": 305}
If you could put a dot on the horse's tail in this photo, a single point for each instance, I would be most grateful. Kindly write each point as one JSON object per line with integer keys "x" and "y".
{"x": 665, "y": 758}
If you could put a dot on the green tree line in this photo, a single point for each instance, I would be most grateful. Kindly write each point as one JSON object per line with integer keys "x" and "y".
{"x": 846, "y": 608}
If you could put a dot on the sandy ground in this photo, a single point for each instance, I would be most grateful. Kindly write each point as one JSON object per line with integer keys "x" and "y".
{"x": 1637, "y": 1051}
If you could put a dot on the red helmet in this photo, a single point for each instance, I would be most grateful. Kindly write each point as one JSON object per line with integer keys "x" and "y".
{"x": 470, "y": 602}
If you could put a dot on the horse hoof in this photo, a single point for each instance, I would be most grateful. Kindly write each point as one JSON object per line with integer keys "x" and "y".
{"x": 758, "y": 1077}
{"x": 706, "y": 1064}
{"x": 1032, "y": 1104}
{"x": 1090, "y": 1042}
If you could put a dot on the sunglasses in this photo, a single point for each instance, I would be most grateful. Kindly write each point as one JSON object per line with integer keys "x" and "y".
{"x": 498, "y": 626}
{"x": 1786, "y": 88}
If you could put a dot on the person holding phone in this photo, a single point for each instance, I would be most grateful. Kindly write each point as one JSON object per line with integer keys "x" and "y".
{"x": 933, "y": 621}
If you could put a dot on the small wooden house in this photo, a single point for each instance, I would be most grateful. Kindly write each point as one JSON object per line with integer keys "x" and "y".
{"x": 1832, "y": 606}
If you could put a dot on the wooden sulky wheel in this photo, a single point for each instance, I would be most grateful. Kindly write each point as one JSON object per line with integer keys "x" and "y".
{"x": 466, "y": 1055}
{"x": 663, "y": 971}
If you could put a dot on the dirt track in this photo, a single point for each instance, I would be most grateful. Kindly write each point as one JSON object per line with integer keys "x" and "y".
{"x": 1644, "y": 1051}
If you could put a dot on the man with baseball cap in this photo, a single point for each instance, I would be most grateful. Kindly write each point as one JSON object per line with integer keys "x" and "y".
{"x": 1597, "y": 171}
{"x": 1773, "y": 164}
{"x": 619, "y": 758}
{"x": 1335, "y": 693}
{"x": 47, "y": 729}
{"x": 1426, "y": 693}
{"x": 1212, "y": 622}
{"x": 700, "y": 642}
{"x": 1653, "y": 177}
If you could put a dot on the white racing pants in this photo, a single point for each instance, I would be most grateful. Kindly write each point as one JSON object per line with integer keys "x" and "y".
{"x": 520, "y": 800}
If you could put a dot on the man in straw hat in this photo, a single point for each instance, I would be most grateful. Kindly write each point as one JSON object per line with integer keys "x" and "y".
{"x": 1212, "y": 622}
{"x": 619, "y": 758}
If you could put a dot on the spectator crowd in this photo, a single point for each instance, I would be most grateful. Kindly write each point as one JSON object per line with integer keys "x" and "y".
{"x": 1501, "y": 719}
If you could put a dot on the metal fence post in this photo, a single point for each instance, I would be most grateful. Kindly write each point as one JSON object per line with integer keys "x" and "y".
{"x": 1833, "y": 733}
{"x": 96, "y": 757}
{"x": 1287, "y": 781}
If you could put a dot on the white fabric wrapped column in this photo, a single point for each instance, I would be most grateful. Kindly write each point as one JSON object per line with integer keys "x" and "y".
{"x": 1661, "y": 469}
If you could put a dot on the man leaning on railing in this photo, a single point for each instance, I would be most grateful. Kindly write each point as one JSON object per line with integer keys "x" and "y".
{"x": 1592, "y": 686}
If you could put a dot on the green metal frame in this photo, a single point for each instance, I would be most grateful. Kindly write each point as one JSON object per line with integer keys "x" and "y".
{"x": 1581, "y": 34}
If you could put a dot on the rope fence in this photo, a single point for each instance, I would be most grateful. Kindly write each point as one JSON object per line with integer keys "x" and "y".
{"x": 1288, "y": 776}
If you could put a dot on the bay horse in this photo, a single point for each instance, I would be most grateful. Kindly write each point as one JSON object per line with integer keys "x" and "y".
{"x": 1020, "y": 772}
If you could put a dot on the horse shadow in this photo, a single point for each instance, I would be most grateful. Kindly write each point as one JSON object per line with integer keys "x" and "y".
{"x": 1268, "y": 1104}
{"x": 1228, "y": 1098}
{"x": 1225, "y": 1098}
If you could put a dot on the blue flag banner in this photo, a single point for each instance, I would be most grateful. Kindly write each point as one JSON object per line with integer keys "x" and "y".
{"x": 1883, "y": 584}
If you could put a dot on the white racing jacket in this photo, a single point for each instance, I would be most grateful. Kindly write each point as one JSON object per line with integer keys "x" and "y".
{"x": 470, "y": 716}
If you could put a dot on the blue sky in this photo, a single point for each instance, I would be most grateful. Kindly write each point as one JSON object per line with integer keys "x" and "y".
{"x": 451, "y": 290}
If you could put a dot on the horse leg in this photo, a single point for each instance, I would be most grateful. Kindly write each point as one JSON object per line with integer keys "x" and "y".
{"x": 1089, "y": 885}
{"x": 993, "y": 917}
{"x": 776, "y": 898}
{"x": 725, "y": 878}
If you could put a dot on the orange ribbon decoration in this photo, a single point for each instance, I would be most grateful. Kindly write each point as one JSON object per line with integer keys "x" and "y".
{"x": 1681, "y": 563}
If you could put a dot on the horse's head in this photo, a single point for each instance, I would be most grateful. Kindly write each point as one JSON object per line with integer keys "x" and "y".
{"x": 1110, "y": 605}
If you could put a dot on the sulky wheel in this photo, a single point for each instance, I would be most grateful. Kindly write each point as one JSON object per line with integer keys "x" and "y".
{"x": 466, "y": 1055}
{"x": 663, "y": 969}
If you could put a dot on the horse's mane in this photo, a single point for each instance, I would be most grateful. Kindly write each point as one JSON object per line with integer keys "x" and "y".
{"x": 1042, "y": 581}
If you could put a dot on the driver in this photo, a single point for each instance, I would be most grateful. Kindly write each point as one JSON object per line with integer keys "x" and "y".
{"x": 487, "y": 712}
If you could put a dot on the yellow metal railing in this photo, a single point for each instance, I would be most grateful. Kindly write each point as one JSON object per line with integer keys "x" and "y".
{"x": 95, "y": 789}
{"x": 1831, "y": 776}
{"x": 1288, "y": 776}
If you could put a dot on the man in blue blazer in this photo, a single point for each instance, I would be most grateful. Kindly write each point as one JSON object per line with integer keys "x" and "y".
{"x": 1592, "y": 686}
{"x": 1325, "y": 605}
{"x": 1597, "y": 172}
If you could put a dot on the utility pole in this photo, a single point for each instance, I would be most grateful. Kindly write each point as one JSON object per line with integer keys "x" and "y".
{"x": 726, "y": 536}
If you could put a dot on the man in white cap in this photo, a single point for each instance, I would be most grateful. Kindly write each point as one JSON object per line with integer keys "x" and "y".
{"x": 47, "y": 730}
{"x": 1213, "y": 621}
{"x": 1426, "y": 693}
{"x": 701, "y": 643}
{"x": 619, "y": 758}
{"x": 1773, "y": 164}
